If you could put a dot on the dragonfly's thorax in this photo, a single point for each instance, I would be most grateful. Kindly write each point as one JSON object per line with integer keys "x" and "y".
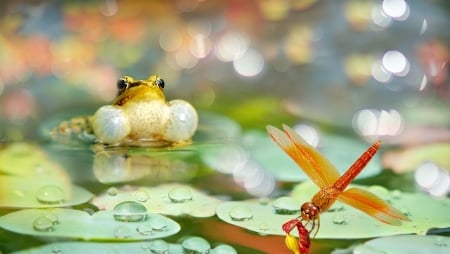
{"x": 325, "y": 198}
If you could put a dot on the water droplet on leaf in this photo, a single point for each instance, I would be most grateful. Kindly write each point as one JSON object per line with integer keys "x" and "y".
{"x": 180, "y": 195}
{"x": 196, "y": 245}
{"x": 42, "y": 224}
{"x": 122, "y": 232}
{"x": 141, "y": 196}
{"x": 159, "y": 247}
{"x": 339, "y": 219}
{"x": 50, "y": 194}
{"x": 112, "y": 191}
{"x": 240, "y": 213}
{"x": 130, "y": 211}
{"x": 52, "y": 217}
{"x": 158, "y": 224}
{"x": 440, "y": 242}
{"x": 144, "y": 229}
{"x": 286, "y": 205}
{"x": 223, "y": 249}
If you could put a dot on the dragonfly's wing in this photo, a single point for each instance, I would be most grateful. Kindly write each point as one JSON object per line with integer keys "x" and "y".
{"x": 372, "y": 205}
{"x": 315, "y": 165}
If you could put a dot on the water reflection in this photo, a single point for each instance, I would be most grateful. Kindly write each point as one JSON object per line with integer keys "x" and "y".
{"x": 120, "y": 166}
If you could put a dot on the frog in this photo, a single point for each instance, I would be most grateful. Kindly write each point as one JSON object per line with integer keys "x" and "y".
{"x": 140, "y": 114}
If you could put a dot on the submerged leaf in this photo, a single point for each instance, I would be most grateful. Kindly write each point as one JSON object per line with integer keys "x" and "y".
{"x": 341, "y": 221}
{"x": 124, "y": 224}
{"x": 169, "y": 199}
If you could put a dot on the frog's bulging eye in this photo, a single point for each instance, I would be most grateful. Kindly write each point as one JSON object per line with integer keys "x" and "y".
{"x": 160, "y": 83}
{"x": 122, "y": 84}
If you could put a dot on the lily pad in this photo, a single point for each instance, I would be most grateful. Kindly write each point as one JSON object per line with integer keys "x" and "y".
{"x": 120, "y": 224}
{"x": 341, "y": 221}
{"x": 169, "y": 199}
{"x": 152, "y": 246}
{"x": 29, "y": 179}
{"x": 259, "y": 148}
{"x": 411, "y": 244}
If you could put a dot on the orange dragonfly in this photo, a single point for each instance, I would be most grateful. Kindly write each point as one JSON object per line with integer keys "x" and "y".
{"x": 303, "y": 242}
{"x": 332, "y": 185}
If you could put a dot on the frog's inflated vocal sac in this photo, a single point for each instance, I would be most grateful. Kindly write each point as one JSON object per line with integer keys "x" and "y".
{"x": 141, "y": 113}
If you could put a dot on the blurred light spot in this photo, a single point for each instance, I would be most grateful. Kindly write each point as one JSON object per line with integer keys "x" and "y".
{"x": 170, "y": 39}
{"x": 308, "y": 133}
{"x": 379, "y": 18}
{"x": 358, "y": 13}
{"x": 274, "y": 9}
{"x": 185, "y": 60}
{"x": 358, "y": 67}
{"x": 396, "y": 63}
{"x": 432, "y": 179}
{"x": 199, "y": 27}
{"x": 379, "y": 73}
{"x": 423, "y": 83}
{"x": 200, "y": 46}
{"x": 424, "y": 27}
{"x": 250, "y": 64}
{"x": 109, "y": 8}
{"x": 254, "y": 179}
{"x": 298, "y": 44}
{"x": 231, "y": 46}
{"x": 371, "y": 122}
{"x": 227, "y": 159}
{"x": 17, "y": 105}
{"x": 397, "y": 9}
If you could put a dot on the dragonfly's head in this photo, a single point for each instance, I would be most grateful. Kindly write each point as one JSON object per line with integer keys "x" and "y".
{"x": 309, "y": 211}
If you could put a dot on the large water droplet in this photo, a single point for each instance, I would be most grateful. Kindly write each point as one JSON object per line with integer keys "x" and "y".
{"x": 286, "y": 205}
{"x": 180, "y": 195}
{"x": 130, "y": 211}
{"x": 42, "y": 224}
{"x": 50, "y": 194}
{"x": 339, "y": 219}
{"x": 158, "y": 247}
{"x": 196, "y": 245}
{"x": 122, "y": 232}
{"x": 240, "y": 213}
{"x": 141, "y": 196}
{"x": 223, "y": 249}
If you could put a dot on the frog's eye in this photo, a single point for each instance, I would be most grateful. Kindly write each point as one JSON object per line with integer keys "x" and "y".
{"x": 122, "y": 84}
{"x": 160, "y": 83}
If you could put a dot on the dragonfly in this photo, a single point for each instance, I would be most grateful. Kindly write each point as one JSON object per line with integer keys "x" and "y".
{"x": 332, "y": 185}
{"x": 302, "y": 244}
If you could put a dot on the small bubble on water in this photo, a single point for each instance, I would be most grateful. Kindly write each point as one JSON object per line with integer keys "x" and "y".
{"x": 130, "y": 211}
{"x": 159, "y": 247}
{"x": 339, "y": 219}
{"x": 223, "y": 249}
{"x": 286, "y": 205}
{"x": 122, "y": 232}
{"x": 112, "y": 191}
{"x": 50, "y": 194}
{"x": 240, "y": 213}
{"x": 144, "y": 229}
{"x": 42, "y": 224}
{"x": 141, "y": 196}
{"x": 196, "y": 245}
{"x": 180, "y": 195}
{"x": 158, "y": 224}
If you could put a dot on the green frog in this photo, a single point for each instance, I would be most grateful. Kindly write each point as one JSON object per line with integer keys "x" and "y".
{"x": 139, "y": 114}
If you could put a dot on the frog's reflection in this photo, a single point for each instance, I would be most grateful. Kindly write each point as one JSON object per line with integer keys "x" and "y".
{"x": 118, "y": 166}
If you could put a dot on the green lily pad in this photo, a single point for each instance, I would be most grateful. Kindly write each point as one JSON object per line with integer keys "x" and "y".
{"x": 125, "y": 223}
{"x": 152, "y": 246}
{"x": 29, "y": 179}
{"x": 411, "y": 244}
{"x": 341, "y": 221}
{"x": 258, "y": 147}
{"x": 169, "y": 199}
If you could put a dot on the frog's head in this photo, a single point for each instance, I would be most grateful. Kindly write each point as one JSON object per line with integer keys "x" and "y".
{"x": 139, "y": 90}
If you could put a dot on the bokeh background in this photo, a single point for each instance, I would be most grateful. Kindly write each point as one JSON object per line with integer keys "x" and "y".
{"x": 342, "y": 63}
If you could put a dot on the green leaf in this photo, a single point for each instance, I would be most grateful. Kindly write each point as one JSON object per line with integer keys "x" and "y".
{"x": 341, "y": 221}
{"x": 411, "y": 244}
{"x": 102, "y": 225}
{"x": 169, "y": 199}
